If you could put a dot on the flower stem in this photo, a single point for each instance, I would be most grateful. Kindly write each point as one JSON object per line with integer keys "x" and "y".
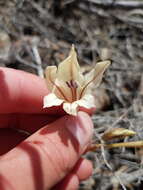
{"x": 136, "y": 144}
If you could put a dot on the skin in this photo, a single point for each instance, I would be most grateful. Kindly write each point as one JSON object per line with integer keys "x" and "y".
{"x": 47, "y": 155}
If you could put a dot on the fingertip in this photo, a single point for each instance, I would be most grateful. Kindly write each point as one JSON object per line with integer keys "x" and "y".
{"x": 70, "y": 182}
{"x": 81, "y": 128}
{"x": 86, "y": 119}
{"x": 83, "y": 169}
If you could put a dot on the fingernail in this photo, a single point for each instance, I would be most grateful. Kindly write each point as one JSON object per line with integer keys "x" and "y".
{"x": 81, "y": 128}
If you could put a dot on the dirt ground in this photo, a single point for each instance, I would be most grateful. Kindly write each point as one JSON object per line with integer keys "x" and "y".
{"x": 100, "y": 30}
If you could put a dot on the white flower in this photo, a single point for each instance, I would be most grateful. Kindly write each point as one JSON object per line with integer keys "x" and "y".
{"x": 69, "y": 87}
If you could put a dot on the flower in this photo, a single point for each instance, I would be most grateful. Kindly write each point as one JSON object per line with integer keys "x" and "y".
{"x": 69, "y": 87}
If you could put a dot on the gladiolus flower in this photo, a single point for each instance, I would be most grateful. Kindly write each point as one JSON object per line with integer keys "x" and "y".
{"x": 69, "y": 87}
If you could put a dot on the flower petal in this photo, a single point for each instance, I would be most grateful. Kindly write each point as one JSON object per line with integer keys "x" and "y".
{"x": 71, "y": 108}
{"x": 69, "y": 69}
{"x": 96, "y": 74}
{"x": 87, "y": 101}
{"x": 52, "y": 100}
{"x": 51, "y": 73}
{"x": 59, "y": 89}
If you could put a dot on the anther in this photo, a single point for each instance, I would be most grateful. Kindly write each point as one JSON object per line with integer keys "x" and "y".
{"x": 72, "y": 84}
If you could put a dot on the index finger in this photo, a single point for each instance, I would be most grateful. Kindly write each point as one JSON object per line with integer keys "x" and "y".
{"x": 21, "y": 92}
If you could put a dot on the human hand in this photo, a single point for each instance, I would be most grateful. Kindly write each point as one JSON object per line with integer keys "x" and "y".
{"x": 50, "y": 157}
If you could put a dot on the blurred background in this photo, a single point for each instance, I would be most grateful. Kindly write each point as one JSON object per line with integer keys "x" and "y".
{"x": 37, "y": 33}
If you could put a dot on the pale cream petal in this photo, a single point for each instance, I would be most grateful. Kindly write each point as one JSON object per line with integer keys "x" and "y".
{"x": 50, "y": 73}
{"x": 79, "y": 78}
{"x": 51, "y": 100}
{"x": 71, "y": 108}
{"x": 69, "y": 69}
{"x": 96, "y": 74}
{"x": 87, "y": 101}
{"x": 58, "y": 88}
{"x": 73, "y": 56}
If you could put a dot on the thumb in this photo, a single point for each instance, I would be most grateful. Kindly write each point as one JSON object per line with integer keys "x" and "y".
{"x": 48, "y": 155}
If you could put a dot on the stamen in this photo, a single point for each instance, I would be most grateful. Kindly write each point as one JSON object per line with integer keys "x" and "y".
{"x": 73, "y": 86}
{"x": 68, "y": 84}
